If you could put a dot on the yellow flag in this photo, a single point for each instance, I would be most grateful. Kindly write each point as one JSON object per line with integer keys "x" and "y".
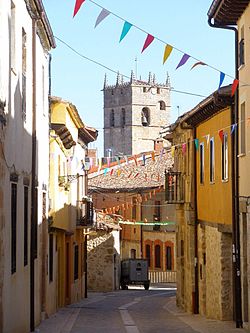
{"x": 167, "y": 52}
{"x": 172, "y": 150}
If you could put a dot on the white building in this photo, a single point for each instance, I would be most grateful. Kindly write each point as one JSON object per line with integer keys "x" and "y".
{"x": 26, "y": 38}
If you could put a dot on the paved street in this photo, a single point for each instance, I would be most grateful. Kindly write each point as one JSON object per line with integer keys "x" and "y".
{"x": 131, "y": 311}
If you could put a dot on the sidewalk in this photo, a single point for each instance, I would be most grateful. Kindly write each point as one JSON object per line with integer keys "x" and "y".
{"x": 201, "y": 324}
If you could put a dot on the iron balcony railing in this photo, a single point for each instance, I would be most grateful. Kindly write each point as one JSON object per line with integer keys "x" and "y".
{"x": 174, "y": 187}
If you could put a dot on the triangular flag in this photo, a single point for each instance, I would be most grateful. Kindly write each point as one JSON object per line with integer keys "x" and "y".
{"x": 183, "y": 60}
{"x": 135, "y": 159}
{"x": 147, "y": 42}
{"x": 77, "y": 6}
{"x": 233, "y": 128}
{"x": 221, "y": 134}
{"x": 207, "y": 138}
{"x": 136, "y": 175}
{"x": 105, "y": 171}
{"x": 111, "y": 172}
{"x": 103, "y": 14}
{"x": 197, "y": 64}
{"x": 153, "y": 156}
{"x": 119, "y": 172}
{"x": 144, "y": 159}
{"x": 184, "y": 148}
{"x": 222, "y": 77}
{"x": 167, "y": 52}
{"x": 196, "y": 142}
{"x": 108, "y": 161}
{"x": 172, "y": 150}
{"x": 125, "y": 30}
{"x": 234, "y": 86}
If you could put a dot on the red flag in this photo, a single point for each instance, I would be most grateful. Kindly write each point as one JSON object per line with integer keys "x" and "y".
{"x": 234, "y": 86}
{"x": 148, "y": 41}
{"x": 77, "y": 6}
{"x": 221, "y": 135}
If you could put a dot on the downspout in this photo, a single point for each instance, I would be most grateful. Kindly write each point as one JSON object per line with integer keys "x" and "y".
{"x": 33, "y": 228}
{"x": 196, "y": 268}
{"x": 235, "y": 190}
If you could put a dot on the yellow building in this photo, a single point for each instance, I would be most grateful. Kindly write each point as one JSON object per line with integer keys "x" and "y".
{"x": 201, "y": 187}
{"x": 235, "y": 14}
{"x": 69, "y": 209}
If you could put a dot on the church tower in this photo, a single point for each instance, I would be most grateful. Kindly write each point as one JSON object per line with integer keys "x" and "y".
{"x": 134, "y": 114}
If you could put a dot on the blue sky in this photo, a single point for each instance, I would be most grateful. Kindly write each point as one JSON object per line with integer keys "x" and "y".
{"x": 183, "y": 24}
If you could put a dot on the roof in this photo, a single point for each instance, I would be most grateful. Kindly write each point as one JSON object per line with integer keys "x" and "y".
{"x": 37, "y": 11}
{"x": 127, "y": 176}
{"x": 206, "y": 108}
{"x": 87, "y": 134}
{"x": 227, "y": 12}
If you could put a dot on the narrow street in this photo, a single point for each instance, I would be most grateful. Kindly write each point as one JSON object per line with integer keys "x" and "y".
{"x": 131, "y": 311}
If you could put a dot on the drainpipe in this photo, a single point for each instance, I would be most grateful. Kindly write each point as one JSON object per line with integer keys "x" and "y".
{"x": 196, "y": 268}
{"x": 235, "y": 190}
{"x": 33, "y": 228}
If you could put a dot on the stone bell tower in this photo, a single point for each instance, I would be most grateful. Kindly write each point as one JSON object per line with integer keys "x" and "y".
{"x": 134, "y": 114}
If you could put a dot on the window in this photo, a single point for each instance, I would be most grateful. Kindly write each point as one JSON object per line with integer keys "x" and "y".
{"x": 24, "y": 63}
{"x": 51, "y": 259}
{"x": 144, "y": 89}
{"x": 162, "y": 105}
{"x": 157, "y": 256}
{"x": 242, "y": 48}
{"x": 224, "y": 154}
{"x": 243, "y": 128}
{"x": 112, "y": 118}
{"x": 158, "y": 91}
{"x": 157, "y": 211}
{"x": 211, "y": 161}
{"x": 123, "y": 118}
{"x": 148, "y": 254}
{"x": 13, "y": 226}
{"x": 145, "y": 117}
{"x": 202, "y": 163}
{"x": 25, "y": 224}
{"x": 134, "y": 204}
{"x": 169, "y": 258}
{"x": 76, "y": 257}
{"x": 133, "y": 254}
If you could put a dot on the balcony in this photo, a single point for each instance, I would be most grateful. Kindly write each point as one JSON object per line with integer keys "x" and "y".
{"x": 88, "y": 219}
{"x": 174, "y": 187}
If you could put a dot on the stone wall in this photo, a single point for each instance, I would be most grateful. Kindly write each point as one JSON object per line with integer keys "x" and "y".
{"x": 215, "y": 273}
{"x": 103, "y": 261}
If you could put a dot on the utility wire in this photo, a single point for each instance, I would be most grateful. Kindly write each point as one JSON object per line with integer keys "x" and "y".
{"x": 114, "y": 71}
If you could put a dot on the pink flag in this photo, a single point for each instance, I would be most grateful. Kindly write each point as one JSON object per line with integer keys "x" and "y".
{"x": 234, "y": 86}
{"x": 103, "y": 14}
{"x": 183, "y": 60}
{"x": 148, "y": 41}
{"x": 77, "y": 6}
{"x": 184, "y": 148}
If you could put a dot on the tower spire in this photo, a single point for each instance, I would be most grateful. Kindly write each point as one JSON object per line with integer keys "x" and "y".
{"x": 132, "y": 76}
{"x": 149, "y": 78}
{"x": 168, "y": 80}
{"x": 105, "y": 81}
{"x": 118, "y": 78}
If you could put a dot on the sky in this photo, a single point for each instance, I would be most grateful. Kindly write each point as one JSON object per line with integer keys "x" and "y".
{"x": 180, "y": 23}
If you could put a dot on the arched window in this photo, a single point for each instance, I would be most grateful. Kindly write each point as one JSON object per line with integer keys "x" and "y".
{"x": 123, "y": 118}
{"x": 112, "y": 118}
{"x": 133, "y": 254}
{"x": 148, "y": 252}
{"x": 169, "y": 258}
{"x": 157, "y": 256}
{"x": 145, "y": 117}
{"x": 162, "y": 105}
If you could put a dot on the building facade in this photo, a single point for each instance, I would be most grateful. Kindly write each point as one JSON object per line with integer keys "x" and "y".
{"x": 69, "y": 205}
{"x": 134, "y": 113}
{"x": 26, "y": 39}
{"x": 201, "y": 188}
{"x": 237, "y": 14}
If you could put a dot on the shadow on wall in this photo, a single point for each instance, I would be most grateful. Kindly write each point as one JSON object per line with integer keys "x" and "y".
{"x": 103, "y": 261}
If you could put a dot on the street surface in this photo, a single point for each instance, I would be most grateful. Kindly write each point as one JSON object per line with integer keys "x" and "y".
{"x": 131, "y": 311}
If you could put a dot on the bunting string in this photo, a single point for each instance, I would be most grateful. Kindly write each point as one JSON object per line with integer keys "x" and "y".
{"x": 150, "y": 38}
